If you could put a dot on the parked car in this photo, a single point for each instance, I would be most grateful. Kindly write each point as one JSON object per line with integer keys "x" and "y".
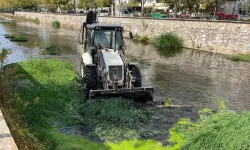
{"x": 71, "y": 12}
{"x": 125, "y": 13}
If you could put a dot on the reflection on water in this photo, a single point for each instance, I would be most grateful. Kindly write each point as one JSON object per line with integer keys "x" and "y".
{"x": 193, "y": 77}
{"x": 39, "y": 37}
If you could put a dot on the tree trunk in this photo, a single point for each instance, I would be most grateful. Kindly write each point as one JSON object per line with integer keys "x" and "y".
{"x": 74, "y": 6}
{"x": 215, "y": 8}
{"x": 142, "y": 8}
{"x": 59, "y": 8}
{"x": 175, "y": 14}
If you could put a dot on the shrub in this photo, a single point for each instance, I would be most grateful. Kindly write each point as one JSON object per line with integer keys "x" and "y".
{"x": 37, "y": 21}
{"x": 145, "y": 39}
{"x": 56, "y": 24}
{"x": 3, "y": 56}
{"x": 168, "y": 44}
{"x": 52, "y": 50}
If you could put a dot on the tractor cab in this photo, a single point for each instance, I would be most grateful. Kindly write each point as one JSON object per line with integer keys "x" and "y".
{"x": 98, "y": 37}
{"x": 104, "y": 36}
{"x": 101, "y": 36}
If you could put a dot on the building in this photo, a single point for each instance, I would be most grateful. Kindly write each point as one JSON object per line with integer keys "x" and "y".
{"x": 119, "y": 5}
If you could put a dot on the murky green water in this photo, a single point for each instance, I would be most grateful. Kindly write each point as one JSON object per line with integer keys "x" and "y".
{"x": 194, "y": 78}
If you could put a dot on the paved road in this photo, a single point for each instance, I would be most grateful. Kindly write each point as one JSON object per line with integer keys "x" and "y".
{"x": 6, "y": 140}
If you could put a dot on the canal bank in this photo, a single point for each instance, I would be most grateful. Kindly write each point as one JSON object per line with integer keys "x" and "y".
{"x": 213, "y": 36}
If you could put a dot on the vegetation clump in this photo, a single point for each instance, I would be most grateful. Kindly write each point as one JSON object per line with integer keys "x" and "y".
{"x": 169, "y": 44}
{"x": 4, "y": 22}
{"x": 215, "y": 130}
{"x": 37, "y": 21}
{"x": 239, "y": 57}
{"x": 3, "y": 56}
{"x": 19, "y": 39}
{"x": 56, "y": 24}
{"x": 145, "y": 39}
{"x": 114, "y": 119}
{"x": 52, "y": 50}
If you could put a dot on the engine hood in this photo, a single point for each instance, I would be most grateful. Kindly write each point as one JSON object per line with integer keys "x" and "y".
{"x": 112, "y": 58}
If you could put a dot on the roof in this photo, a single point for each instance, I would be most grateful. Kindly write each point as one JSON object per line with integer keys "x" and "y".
{"x": 93, "y": 26}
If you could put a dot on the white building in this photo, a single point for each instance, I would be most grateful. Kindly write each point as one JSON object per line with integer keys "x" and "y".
{"x": 119, "y": 4}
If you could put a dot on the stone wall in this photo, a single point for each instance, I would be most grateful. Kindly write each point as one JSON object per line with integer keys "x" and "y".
{"x": 215, "y": 36}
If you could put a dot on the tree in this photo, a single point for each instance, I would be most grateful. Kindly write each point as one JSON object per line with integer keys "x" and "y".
{"x": 57, "y": 3}
{"x": 85, "y": 4}
{"x": 28, "y": 4}
{"x": 133, "y": 3}
{"x": 142, "y": 6}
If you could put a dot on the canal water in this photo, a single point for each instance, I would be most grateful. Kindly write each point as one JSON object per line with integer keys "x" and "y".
{"x": 192, "y": 78}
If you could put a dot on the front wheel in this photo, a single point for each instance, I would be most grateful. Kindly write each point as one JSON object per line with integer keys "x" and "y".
{"x": 136, "y": 73}
{"x": 90, "y": 74}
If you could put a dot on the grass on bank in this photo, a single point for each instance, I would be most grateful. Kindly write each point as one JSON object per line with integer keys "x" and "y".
{"x": 56, "y": 24}
{"x": 14, "y": 119}
{"x": 36, "y": 20}
{"x": 48, "y": 97}
{"x": 238, "y": 57}
{"x": 221, "y": 130}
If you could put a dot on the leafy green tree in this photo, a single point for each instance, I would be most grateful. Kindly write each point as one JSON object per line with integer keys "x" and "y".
{"x": 57, "y": 3}
{"x": 133, "y": 3}
{"x": 85, "y": 4}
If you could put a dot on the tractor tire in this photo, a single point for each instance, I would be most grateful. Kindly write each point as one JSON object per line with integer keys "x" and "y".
{"x": 136, "y": 73}
{"x": 90, "y": 80}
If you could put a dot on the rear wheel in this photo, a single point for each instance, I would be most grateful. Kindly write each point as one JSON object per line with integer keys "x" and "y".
{"x": 90, "y": 80}
{"x": 136, "y": 73}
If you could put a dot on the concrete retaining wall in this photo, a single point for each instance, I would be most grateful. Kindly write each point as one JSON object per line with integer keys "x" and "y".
{"x": 219, "y": 36}
{"x": 6, "y": 140}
